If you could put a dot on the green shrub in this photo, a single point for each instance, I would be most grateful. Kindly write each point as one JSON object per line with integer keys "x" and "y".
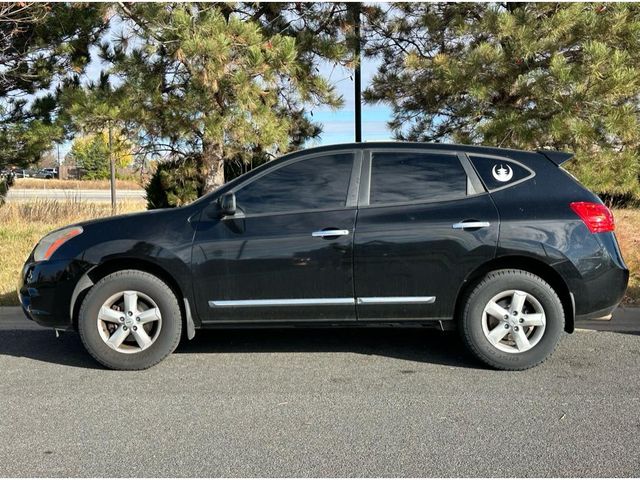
{"x": 175, "y": 183}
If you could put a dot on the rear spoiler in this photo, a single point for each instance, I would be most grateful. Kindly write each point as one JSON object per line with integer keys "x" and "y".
{"x": 556, "y": 157}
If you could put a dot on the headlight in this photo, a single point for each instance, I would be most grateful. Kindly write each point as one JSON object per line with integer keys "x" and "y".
{"x": 50, "y": 243}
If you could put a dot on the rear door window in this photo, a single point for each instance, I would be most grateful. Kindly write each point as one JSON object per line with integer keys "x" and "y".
{"x": 401, "y": 177}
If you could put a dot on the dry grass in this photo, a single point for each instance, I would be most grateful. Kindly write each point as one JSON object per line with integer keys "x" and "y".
{"x": 75, "y": 184}
{"x": 628, "y": 234}
{"x": 22, "y": 224}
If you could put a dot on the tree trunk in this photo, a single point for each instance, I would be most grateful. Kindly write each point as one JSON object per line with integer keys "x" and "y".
{"x": 213, "y": 166}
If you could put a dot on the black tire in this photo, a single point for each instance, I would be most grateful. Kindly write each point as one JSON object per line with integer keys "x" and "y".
{"x": 493, "y": 284}
{"x": 167, "y": 338}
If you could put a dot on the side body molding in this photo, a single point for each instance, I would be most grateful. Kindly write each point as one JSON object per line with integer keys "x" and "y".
{"x": 288, "y": 302}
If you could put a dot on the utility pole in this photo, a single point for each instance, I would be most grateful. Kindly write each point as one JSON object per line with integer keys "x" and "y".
{"x": 112, "y": 166}
{"x": 355, "y": 10}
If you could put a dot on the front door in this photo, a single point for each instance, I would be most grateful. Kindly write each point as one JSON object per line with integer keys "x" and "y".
{"x": 287, "y": 254}
{"x": 424, "y": 225}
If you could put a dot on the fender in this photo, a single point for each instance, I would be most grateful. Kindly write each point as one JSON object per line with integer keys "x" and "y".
{"x": 86, "y": 283}
{"x": 172, "y": 267}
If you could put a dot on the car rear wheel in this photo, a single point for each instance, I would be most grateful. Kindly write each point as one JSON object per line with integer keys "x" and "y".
{"x": 512, "y": 320}
{"x": 130, "y": 320}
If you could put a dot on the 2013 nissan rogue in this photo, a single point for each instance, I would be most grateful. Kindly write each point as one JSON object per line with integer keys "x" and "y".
{"x": 501, "y": 244}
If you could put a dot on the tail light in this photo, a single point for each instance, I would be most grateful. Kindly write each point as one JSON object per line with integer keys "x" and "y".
{"x": 597, "y": 217}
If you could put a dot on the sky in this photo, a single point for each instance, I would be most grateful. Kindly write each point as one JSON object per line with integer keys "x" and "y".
{"x": 338, "y": 125}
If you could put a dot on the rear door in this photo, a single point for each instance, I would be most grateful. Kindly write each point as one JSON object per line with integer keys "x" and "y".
{"x": 425, "y": 222}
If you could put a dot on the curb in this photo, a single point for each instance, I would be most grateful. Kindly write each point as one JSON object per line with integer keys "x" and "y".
{"x": 625, "y": 319}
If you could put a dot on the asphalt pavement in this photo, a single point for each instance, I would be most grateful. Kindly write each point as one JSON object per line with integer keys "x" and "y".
{"x": 320, "y": 402}
{"x": 27, "y": 194}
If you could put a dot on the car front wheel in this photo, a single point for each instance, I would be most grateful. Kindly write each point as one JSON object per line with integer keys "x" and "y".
{"x": 512, "y": 320}
{"x": 130, "y": 320}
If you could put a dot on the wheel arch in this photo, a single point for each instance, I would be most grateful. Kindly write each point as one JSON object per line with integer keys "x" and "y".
{"x": 110, "y": 266}
{"x": 529, "y": 264}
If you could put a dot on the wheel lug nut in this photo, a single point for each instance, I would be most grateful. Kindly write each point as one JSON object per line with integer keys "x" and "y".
{"x": 122, "y": 319}
{"x": 506, "y": 325}
{"x": 137, "y": 319}
{"x": 522, "y": 320}
{"x": 135, "y": 328}
{"x": 506, "y": 317}
{"x": 130, "y": 313}
{"x": 514, "y": 314}
{"x": 515, "y": 329}
{"x": 124, "y": 328}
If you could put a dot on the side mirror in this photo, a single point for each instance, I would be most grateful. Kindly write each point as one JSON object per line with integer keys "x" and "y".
{"x": 227, "y": 204}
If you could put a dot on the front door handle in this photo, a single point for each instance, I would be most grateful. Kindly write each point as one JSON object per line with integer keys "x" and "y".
{"x": 330, "y": 233}
{"x": 465, "y": 225}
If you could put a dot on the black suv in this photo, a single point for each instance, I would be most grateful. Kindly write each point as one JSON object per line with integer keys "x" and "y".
{"x": 501, "y": 244}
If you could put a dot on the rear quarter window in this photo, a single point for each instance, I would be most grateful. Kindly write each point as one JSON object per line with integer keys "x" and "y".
{"x": 497, "y": 172}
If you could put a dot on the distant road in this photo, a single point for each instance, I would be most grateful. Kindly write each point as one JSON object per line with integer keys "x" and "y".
{"x": 22, "y": 194}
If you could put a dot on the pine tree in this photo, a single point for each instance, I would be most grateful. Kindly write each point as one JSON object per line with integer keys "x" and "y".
{"x": 214, "y": 81}
{"x": 43, "y": 48}
{"x": 525, "y": 75}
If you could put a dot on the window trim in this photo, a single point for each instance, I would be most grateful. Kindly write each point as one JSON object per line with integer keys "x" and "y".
{"x": 352, "y": 188}
{"x": 472, "y": 176}
{"x": 364, "y": 200}
{"x": 531, "y": 175}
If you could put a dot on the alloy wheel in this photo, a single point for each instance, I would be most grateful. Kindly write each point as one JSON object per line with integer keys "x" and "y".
{"x": 129, "y": 321}
{"x": 513, "y": 321}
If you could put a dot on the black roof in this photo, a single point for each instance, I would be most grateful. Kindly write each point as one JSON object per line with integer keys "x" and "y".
{"x": 554, "y": 156}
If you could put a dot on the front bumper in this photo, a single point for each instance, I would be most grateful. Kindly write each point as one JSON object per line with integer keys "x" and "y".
{"x": 46, "y": 288}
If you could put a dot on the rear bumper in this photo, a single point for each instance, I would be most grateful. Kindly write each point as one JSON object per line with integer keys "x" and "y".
{"x": 596, "y": 276}
{"x": 599, "y": 297}
{"x": 46, "y": 288}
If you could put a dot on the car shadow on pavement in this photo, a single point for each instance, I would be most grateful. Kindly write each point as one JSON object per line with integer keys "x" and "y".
{"x": 417, "y": 345}
{"x": 413, "y": 344}
{"x": 42, "y": 345}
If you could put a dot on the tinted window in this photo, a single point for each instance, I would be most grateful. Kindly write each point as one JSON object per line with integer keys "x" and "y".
{"x": 314, "y": 183}
{"x": 498, "y": 172}
{"x": 398, "y": 177}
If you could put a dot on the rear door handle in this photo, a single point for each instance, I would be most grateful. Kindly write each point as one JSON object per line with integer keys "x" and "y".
{"x": 330, "y": 233}
{"x": 465, "y": 225}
